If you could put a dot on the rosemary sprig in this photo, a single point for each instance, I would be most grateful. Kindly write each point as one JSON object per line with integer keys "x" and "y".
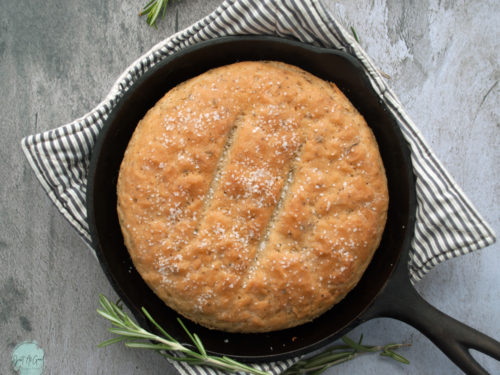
{"x": 134, "y": 336}
{"x": 338, "y": 354}
{"x": 153, "y": 9}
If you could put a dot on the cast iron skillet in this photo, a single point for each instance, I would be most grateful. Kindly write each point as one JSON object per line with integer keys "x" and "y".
{"x": 384, "y": 290}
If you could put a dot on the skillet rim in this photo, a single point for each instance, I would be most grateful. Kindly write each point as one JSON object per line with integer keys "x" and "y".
{"x": 118, "y": 105}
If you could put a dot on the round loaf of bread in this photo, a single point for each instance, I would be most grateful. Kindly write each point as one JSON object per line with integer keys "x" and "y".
{"x": 252, "y": 197}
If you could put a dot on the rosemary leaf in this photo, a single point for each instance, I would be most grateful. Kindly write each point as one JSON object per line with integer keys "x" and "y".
{"x": 199, "y": 345}
{"x": 143, "y": 345}
{"x": 191, "y": 337}
{"x": 395, "y": 356}
{"x": 354, "y": 34}
{"x": 150, "y": 318}
{"x": 111, "y": 318}
{"x": 134, "y": 334}
{"x": 111, "y": 341}
{"x": 356, "y": 346}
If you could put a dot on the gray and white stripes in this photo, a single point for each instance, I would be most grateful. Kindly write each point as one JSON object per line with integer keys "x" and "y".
{"x": 447, "y": 224}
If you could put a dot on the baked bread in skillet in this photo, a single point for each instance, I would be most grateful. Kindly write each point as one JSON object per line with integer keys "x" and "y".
{"x": 252, "y": 197}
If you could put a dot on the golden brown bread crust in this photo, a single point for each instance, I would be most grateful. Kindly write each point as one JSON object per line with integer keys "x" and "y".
{"x": 252, "y": 197}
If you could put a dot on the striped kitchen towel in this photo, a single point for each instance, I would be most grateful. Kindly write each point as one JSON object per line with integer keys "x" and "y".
{"x": 447, "y": 225}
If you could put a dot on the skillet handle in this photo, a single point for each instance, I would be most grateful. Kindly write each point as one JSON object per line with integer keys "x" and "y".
{"x": 401, "y": 301}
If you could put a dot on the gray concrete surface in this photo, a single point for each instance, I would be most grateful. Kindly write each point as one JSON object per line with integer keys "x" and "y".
{"x": 59, "y": 58}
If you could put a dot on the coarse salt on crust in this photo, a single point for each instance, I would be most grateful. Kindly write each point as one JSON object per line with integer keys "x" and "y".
{"x": 252, "y": 198}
